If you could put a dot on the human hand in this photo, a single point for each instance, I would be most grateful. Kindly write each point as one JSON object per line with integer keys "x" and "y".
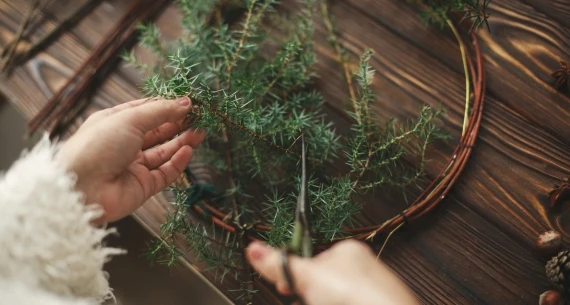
{"x": 347, "y": 273}
{"x": 119, "y": 156}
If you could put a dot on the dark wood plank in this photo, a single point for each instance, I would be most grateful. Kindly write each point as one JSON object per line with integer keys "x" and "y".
{"x": 446, "y": 264}
{"x": 556, "y": 10}
{"x": 523, "y": 48}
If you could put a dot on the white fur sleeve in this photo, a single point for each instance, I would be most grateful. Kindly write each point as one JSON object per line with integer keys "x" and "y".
{"x": 46, "y": 241}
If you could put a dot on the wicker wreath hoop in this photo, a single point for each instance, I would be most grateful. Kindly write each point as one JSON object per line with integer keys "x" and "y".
{"x": 432, "y": 195}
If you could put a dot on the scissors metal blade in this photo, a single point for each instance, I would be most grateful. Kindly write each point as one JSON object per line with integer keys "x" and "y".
{"x": 302, "y": 242}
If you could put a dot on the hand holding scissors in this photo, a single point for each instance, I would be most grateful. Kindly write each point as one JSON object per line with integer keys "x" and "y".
{"x": 347, "y": 273}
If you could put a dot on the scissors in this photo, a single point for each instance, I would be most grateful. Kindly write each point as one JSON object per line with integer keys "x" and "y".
{"x": 301, "y": 243}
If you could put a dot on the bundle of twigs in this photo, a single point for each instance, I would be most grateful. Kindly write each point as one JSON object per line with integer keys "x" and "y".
{"x": 10, "y": 48}
{"x": 11, "y": 59}
{"x": 64, "y": 106}
{"x": 435, "y": 192}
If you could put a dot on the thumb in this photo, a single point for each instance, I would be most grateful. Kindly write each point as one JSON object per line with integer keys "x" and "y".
{"x": 149, "y": 116}
{"x": 267, "y": 262}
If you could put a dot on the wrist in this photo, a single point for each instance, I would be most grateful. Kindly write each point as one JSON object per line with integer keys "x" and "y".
{"x": 70, "y": 159}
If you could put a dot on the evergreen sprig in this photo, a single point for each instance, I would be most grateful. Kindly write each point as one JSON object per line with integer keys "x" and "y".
{"x": 255, "y": 105}
{"x": 377, "y": 152}
{"x": 221, "y": 255}
{"x": 438, "y": 11}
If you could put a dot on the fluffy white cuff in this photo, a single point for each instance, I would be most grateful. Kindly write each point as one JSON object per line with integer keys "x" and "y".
{"x": 15, "y": 293}
{"x": 46, "y": 239}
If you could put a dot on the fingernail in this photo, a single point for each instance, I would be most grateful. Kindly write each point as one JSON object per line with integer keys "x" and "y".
{"x": 184, "y": 101}
{"x": 258, "y": 251}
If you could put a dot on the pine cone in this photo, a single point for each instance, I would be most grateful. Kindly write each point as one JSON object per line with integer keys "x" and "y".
{"x": 558, "y": 271}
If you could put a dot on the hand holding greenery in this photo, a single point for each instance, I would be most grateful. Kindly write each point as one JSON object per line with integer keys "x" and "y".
{"x": 124, "y": 155}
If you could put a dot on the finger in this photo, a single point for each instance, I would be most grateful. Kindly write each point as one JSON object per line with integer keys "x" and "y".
{"x": 168, "y": 172}
{"x": 160, "y": 134}
{"x": 283, "y": 288}
{"x": 109, "y": 111}
{"x": 166, "y": 131}
{"x": 156, "y": 156}
{"x": 132, "y": 104}
{"x": 349, "y": 248}
{"x": 149, "y": 116}
{"x": 267, "y": 262}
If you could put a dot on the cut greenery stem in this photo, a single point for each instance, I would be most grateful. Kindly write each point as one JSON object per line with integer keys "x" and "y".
{"x": 388, "y": 238}
{"x": 466, "y": 71}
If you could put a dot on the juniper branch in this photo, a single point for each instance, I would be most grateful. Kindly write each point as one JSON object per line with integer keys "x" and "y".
{"x": 340, "y": 51}
{"x": 243, "y": 36}
{"x": 230, "y": 174}
{"x": 437, "y": 11}
{"x": 276, "y": 78}
{"x": 229, "y": 121}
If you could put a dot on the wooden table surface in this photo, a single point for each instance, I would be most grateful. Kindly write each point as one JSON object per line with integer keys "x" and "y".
{"x": 478, "y": 246}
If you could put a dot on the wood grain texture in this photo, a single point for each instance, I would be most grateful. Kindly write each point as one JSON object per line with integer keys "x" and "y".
{"x": 478, "y": 246}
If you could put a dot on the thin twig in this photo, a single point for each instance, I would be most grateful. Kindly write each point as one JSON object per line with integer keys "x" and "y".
{"x": 284, "y": 65}
{"x": 229, "y": 121}
{"x": 274, "y": 81}
{"x": 242, "y": 39}
{"x": 333, "y": 39}
{"x": 467, "y": 81}
{"x": 16, "y": 38}
{"x": 13, "y": 43}
{"x": 388, "y": 238}
{"x": 9, "y": 51}
{"x": 364, "y": 168}
{"x": 420, "y": 168}
{"x": 94, "y": 66}
{"x": 217, "y": 242}
{"x": 229, "y": 172}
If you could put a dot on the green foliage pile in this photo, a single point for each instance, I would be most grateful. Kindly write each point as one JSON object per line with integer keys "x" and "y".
{"x": 254, "y": 95}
